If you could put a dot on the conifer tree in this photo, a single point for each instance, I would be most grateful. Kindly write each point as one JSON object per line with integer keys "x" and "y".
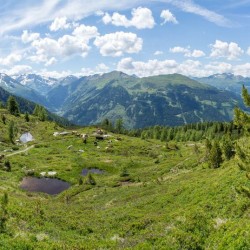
{"x": 119, "y": 126}
{"x": 26, "y": 117}
{"x": 40, "y": 112}
{"x": 227, "y": 148}
{"x": 11, "y": 131}
{"x": 215, "y": 157}
{"x": 12, "y": 106}
{"x": 4, "y": 119}
{"x": 3, "y": 213}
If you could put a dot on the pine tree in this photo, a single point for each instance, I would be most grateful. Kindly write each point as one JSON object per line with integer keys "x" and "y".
{"x": 11, "y": 131}
{"x": 215, "y": 157}
{"x": 3, "y": 213}
{"x": 119, "y": 126}
{"x": 227, "y": 148}
{"x": 12, "y": 106}
{"x": 4, "y": 119}
{"x": 40, "y": 112}
{"x": 26, "y": 117}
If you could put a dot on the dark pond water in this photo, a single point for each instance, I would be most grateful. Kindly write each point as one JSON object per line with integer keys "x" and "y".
{"x": 45, "y": 185}
{"x": 85, "y": 171}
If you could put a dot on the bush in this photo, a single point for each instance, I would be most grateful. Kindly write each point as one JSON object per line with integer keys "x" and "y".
{"x": 90, "y": 179}
{"x": 7, "y": 165}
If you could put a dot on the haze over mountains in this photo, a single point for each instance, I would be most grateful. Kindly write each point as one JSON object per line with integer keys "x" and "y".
{"x": 162, "y": 100}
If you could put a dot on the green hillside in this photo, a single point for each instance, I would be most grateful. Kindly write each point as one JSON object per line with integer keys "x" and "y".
{"x": 169, "y": 99}
{"x": 29, "y": 106}
{"x": 151, "y": 195}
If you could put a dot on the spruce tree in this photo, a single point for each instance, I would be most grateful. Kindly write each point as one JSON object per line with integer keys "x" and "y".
{"x": 215, "y": 157}
{"x": 119, "y": 126}
{"x": 26, "y": 117}
{"x": 4, "y": 119}
{"x": 227, "y": 148}
{"x": 12, "y": 106}
{"x": 11, "y": 131}
{"x": 3, "y": 213}
{"x": 40, "y": 112}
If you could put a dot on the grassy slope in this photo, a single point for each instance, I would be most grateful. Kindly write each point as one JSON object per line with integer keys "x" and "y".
{"x": 173, "y": 204}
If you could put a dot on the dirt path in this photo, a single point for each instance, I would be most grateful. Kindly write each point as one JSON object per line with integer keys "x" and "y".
{"x": 20, "y": 151}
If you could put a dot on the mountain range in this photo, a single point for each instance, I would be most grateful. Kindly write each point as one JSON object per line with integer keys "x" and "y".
{"x": 226, "y": 81}
{"x": 163, "y": 100}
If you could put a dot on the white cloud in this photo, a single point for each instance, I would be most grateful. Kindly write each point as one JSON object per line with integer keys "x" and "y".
{"x": 59, "y": 23}
{"x": 116, "y": 44}
{"x": 85, "y": 32}
{"x": 99, "y": 69}
{"x": 222, "y": 49}
{"x": 29, "y": 37}
{"x": 54, "y": 74}
{"x": 197, "y": 53}
{"x": 157, "y": 67}
{"x": 219, "y": 67}
{"x": 243, "y": 70}
{"x": 168, "y": 17}
{"x": 190, "y": 68}
{"x": 178, "y": 49}
{"x": 48, "y": 50}
{"x": 187, "y": 52}
{"x": 51, "y": 61}
{"x": 191, "y": 7}
{"x": 248, "y": 51}
{"x": 107, "y": 18}
{"x": 19, "y": 69}
{"x": 11, "y": 59}
{"x": 38, "y": 12}
{"x": 142, "y": 18}
{"x": 151, "y": 67}
{"x": 158, "y": 52}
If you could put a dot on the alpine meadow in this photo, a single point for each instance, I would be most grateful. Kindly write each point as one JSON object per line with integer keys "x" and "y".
{"x": 125, "y": 125}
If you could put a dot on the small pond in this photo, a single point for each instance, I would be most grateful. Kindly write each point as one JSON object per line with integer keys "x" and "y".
{"x": 85, "y": 171}
{"x": 45, "y": 185}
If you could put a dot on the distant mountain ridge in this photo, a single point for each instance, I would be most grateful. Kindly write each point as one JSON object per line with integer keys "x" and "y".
{"x": 226, "y": 81}
{"x": 163, "y": 100}
{"x": 156, "y": 100}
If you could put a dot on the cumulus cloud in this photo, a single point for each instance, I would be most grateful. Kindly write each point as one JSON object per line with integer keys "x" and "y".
{"x": 157, "y": 67}
{"x": 65, "y": 46}
{"x": 59, "y": 23}
{"x": 11, "y": 59}
{"x": 197, "y": 53}
{"x": 99, "y": 69}
{"x": 142, "y": 18}
{"x": 151, "y": 67}
{"x": 39, "y": 12}
{"x": 242, "y": 69}
{"x": 19, "y": 69}
{"x": 248, "y": 51}
{"x": 221, "y": 49}
{"x": 54, "y": 74}
{"x": 116, "y": 44}
{"x": 85, "y": 32}
{"x": 158, "y": 52}
{"x": 219, "y": 67}
{"x": 168, "y": 17}
{"x": 29, "y": 37}
{"x": 187, "y": 52}
{"x": 50, "y": 61}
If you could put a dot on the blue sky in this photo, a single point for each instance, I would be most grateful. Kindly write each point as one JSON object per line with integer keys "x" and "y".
{"x": 62, "y": 37}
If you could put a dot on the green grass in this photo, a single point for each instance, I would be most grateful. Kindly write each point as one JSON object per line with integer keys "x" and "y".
{"x": 169, "y": 201}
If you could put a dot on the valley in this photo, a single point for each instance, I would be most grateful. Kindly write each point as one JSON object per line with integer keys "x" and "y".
{"x": 170, "y": 99}
{"x": 142, "y": 193}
